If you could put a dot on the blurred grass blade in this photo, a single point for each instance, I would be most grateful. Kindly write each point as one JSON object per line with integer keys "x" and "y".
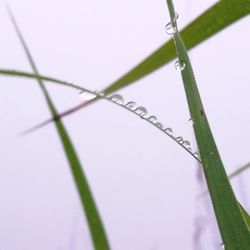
{"x": 96, "y": 228}
{"x": 232, "y": 225}
{"x": 239, "y": 171}
{"x": 232, "y": 175}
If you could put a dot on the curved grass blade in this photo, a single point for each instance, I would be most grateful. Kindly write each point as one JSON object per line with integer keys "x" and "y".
{"x": 148, "y": 118}
{"x": 231, "y": 176}
{"x": 96, "y": 227}
{"x": 232, "y": 225}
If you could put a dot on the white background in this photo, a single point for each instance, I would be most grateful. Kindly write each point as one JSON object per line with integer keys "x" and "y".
{"x": 145, "y": 185}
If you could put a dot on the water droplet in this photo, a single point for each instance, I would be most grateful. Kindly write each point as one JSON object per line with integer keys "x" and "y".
{"x": 117, "y": 98}
{"x": 191, "y": 122}
{"x": 186, "y": 144}
{"x": 130, "y": 105}
{"x": 170, "y": 28}
{"x": 197, "y": 155}
{"x": 152, "y": 118}
{"x": 100, "y": 93}
{"x": 141, "y": 111}
{"x": 176, "y": 16}
{"x": 179, "y": 65}
{"x": 85, "y": 95}
{"x": 179, "y": 139}
{"x": 222, "y": 245}
{"x": 168, "y": 131}
{"x": 159, "y": 125}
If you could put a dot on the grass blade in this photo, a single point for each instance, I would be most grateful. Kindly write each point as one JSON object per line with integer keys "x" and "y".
{"x": 232, "y": 225}
{"x": 96, "y": 227}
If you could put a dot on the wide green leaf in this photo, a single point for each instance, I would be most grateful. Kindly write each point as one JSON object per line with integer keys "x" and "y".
{"x": 232, "y": 225}
{"x": 96, "y": 227}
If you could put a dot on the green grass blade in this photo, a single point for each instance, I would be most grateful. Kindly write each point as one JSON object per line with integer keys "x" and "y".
{"x": 96, "y": 227}
{"x": 232, "y": 225}
{"x": 216, "y": 18}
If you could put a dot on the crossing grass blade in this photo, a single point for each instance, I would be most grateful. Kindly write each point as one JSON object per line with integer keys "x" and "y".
{"x": 96, "y": 227}
{"x": 232, "y": 225}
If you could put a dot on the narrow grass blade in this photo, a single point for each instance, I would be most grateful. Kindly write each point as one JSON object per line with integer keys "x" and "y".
{"x": 232, "y": 225}
{"x": 96, "y": 227}
{"x": 146, "y": 117}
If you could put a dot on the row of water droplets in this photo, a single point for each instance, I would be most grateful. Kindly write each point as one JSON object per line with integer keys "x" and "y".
{"x": 142, "y": 113}
{"x": 171, "y": 29}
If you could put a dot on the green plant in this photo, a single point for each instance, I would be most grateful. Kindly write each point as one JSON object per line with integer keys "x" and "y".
{"x": 226, "y": 207}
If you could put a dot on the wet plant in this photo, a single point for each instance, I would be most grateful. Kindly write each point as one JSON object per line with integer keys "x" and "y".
{"x": 227, "y": 209}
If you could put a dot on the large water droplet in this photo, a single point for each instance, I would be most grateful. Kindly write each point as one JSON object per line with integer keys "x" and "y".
{"x": 152, "y": 118}
{"x": 179, "y": 65}
{"x": 179, "y": 139}
{"x": 130, "y": 105}
{"x": 222, "y": 245}
{"x": 141, "y": 111}
{"x": 170, "y": 28}
{"x": 186, "y": 144}
{"x": 197, "y": 155}
{"x": 85, "y": 95}
{"x": 191, "y": 122}
{"x": 117, "y": 98}
{"x": 176, "y": 16}
{"x": 168, "y": 131}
